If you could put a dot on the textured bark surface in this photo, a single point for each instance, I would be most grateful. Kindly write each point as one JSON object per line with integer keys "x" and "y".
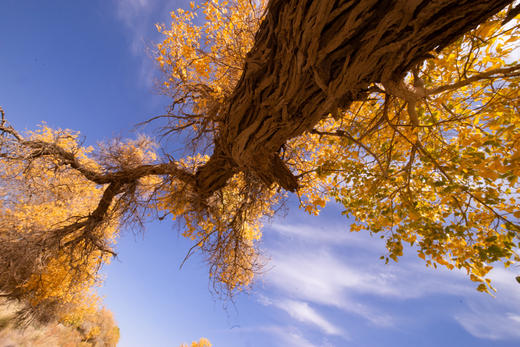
{"x": 313, "y": 57}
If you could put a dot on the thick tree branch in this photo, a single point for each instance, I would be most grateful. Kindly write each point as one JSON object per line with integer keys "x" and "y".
{"x": 312, "y": 58}
{"x": 124, "y": 175}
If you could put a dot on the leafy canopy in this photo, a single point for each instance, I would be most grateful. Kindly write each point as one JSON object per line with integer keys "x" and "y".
{"x": 203, "y": 342}
{"x": 431, "y": 160}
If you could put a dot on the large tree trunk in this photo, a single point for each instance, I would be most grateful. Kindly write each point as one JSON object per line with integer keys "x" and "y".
{"x": 313, "y": 57}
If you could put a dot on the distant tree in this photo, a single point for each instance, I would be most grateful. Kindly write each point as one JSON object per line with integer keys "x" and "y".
{"x": 405, "y": 112}
{"x": 203, "y": 342}
{"x": 96, "y": 328}
{"x": 85, "y": 328}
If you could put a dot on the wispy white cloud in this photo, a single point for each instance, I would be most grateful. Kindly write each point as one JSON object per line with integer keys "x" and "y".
{"x": 302, "y": 312}
{"x": 127, "y": 10}
{"x": 330, "y": 267}
{"x": 494, "y": 318}
{"x": 323, "y": 279}
{"x": 290, "y": 336}
{"x": 139, "y": 17}
{"x": 493, "y": 326}
{"x": 324, "y": 235}
{"x": 282, "y": 335}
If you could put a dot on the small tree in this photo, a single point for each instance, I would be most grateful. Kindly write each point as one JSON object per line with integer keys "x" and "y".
{"x": 203, "y": 342}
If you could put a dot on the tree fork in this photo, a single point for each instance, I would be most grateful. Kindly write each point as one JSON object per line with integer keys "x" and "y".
{"x": 313, "y": 57}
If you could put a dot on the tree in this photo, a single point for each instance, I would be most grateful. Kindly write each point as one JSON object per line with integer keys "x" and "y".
{"x": 203, "y": 342}
{"x": 52, "y": 276}
{"x": 389, "y": 107}
{"x": 96, "y": 328}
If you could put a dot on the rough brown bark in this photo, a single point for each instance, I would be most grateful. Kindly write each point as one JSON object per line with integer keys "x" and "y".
{"x": 313, "y": 57}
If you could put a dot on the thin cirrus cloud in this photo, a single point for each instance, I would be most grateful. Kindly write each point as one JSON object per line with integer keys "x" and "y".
{"x": 138, "y": 18}
{"x": 135, "y": 15}
{"x": 303, "y": 312}
{"x": 288, "y": 336}
{"x": 495, "y": 319}
{"x": 323, "y": 279}
{"x": 492, "y": 326}
{"x": 327, "y": 268}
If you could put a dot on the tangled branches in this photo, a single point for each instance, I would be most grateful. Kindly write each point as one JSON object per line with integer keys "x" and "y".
{"x": 62, "y": 207}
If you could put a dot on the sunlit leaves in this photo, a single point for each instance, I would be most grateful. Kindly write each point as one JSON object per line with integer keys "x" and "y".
{"x": 431, "y": 161}
{"x": 203, "y": 62}
{"x": 441, "y": 175}
{"x": 54, "y": 237}
{"x": 44, "y": 196}
{"x": 203, "y": 342}
{"x": 226, "y": 228}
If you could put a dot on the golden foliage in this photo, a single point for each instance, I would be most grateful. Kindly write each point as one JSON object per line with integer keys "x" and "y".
{"x": 203, "y": 342}
{"x": 39, "y": 197}
{"x": 54, "y": 237}
{"x": 87, "y": 329}
{"x": 226, "y": 227}
{"x": 202, "y": 63}
{"x": 431, "y": 160}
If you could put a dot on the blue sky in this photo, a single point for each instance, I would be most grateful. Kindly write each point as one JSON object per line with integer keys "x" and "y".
{"x": 85, "y": 65}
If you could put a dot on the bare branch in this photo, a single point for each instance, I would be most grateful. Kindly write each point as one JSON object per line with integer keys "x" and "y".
{"x": 512, "y": 71}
